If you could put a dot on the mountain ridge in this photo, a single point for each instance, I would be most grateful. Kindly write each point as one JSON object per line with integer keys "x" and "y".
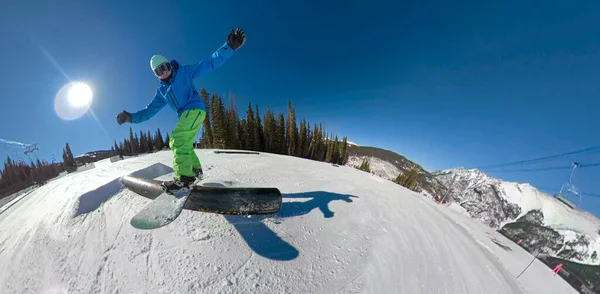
{"x": 516, "y": 210}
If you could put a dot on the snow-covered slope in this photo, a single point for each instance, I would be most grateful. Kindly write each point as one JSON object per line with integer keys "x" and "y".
{"x": 389, "y": 164}
{"x": 378, "y": 166}
{"x": 340, "y": 230}
{"x": 498, "y": 203}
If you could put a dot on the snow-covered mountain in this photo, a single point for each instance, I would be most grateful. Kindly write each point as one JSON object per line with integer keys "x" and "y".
{"x": 513, "y": 208}
{"x": 340, "y": 230}
{"x": 522, "y": 212}
{"x": 388, "y": 165}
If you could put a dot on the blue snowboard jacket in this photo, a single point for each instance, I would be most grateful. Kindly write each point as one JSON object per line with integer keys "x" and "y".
{"x": 180, "y": 93}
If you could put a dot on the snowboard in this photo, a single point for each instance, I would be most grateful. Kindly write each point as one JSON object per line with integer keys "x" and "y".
{"x": 162, "y": 210}
{"x": 165, "y": 208}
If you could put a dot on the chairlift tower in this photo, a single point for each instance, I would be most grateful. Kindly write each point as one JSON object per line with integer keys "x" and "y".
{"x": 31, "y": 148}
{"x": 569, "y": 185}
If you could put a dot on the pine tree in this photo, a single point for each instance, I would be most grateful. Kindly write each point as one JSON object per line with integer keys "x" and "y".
{"x": 280, "y": 146}
{"x": 132, "y": 145}
{"x": 408, "y": 180}
{"x": 335, "y": 152}
{"x": 136, "y": 144}
{"x": 143, "y": 144}
{"x": 227, "y": 128}
{"x": 219, "y": 123}
{"x": 318, "y": 147}
{"x": 292, "y": 130}
{"x": 321, "y": 147}
{"x": 207, "y": 130}
{"x": 167, "y": 142}
{"x": 302, "y": 140}
{"x": 150, "y": 142}
{"x": 122, "y": 148}
{"x": 269, "y": 131}
{"x": 344, "y": 152}
{"x": 117, "y": 149}
{"x": 159, "y": 143}
{"x": 70, "y": 154}
{"x": 68, "y": 160}
{"x": 329, "y": 151}
{"x": 260, "y": 132}
{"x": 233, "y": 122}
{"x": 309, "y": 139}
{"x": 365, "y": 166}
{"x": 252, "y": 129}
{"x": 243, "y": 134}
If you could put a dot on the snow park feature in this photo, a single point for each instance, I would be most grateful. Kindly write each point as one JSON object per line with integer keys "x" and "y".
{"x": 339, "y": 230}
{"x": 225, "y": 200}
{"x": 236, "y": 152}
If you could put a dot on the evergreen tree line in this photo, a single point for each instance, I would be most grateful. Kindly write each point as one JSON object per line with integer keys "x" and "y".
{"x": 365, "y": 165}
{"x": 224, "y": 129}
{"x": 69, "y": 163}
{"x": 146, "y": 142}
{"x": 407, "y": 180}
{"x": 17, "y": 175}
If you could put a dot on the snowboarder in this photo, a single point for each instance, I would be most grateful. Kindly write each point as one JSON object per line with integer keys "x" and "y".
{"x": 178, "y": 91}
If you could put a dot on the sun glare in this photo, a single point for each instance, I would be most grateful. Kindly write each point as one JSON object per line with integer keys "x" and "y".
{"x": 80, "y": 95}
{"x": 73, "y": 100}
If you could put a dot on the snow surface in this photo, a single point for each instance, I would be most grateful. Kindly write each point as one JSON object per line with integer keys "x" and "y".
{"x": 340, "y": 230}
{"x": 538, "y": 278}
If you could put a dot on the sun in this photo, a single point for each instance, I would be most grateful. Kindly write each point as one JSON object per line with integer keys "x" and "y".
{"x": 80, "y": 95}
{"x": 73, "y": 100}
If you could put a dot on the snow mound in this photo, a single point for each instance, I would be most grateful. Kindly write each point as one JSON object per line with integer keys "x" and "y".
{"x": 338, "y": 231}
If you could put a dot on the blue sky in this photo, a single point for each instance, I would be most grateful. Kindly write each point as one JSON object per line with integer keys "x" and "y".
{"x": 445, "y": 84}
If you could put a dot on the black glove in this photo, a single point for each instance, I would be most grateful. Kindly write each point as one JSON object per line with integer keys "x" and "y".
{"x": 236, "y": 39}
{"x": 123, "y": 117}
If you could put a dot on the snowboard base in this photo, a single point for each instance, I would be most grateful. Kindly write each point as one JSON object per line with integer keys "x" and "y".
{"x": 161, "y": 211}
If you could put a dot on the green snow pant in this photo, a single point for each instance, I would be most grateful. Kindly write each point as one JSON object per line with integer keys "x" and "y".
{"x": 181, "y": 142}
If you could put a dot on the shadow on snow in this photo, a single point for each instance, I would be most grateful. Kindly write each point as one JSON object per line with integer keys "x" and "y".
{"x": 259, "y": 237}
{"x": 318, "y": 199}
{"x": 92, "y": 200}
{"x": 266, "y": 243}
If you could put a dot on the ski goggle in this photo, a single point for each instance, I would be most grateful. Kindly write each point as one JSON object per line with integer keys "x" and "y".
{"x": 162, "y": 68}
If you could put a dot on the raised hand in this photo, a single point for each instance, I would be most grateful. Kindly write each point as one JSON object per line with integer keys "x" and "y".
{"x": 123, "y": 117}
{"x": 236, "y": 39}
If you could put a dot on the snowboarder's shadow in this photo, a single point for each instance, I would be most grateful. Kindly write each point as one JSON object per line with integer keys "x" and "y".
{"x": 318, "y": 199}
{"x": 264, "y": 241}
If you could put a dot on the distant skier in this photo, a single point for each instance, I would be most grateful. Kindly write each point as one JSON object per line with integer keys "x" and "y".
{"x": 178, "y": 91}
